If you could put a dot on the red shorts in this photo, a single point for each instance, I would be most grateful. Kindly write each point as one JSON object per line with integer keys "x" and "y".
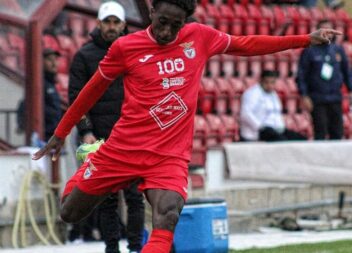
{"x": 101, "y": 174}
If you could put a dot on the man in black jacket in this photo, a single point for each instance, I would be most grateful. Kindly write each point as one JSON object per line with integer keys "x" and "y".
{"x": 99, "y": 121}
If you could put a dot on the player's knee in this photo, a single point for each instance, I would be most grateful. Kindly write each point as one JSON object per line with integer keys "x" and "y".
{"x": 172, "y": 218}
{"x": 167, "y": 218}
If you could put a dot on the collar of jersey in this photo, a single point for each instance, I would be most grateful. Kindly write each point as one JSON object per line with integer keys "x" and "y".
{"x": 149, "y": 33}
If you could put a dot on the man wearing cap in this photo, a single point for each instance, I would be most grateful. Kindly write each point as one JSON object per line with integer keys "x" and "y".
{"x": 99, "y": 121}
{"x": 52, "y": 101}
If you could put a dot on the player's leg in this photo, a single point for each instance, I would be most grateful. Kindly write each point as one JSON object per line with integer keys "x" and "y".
{"x": 165, "y": 186}
{"x": 166, "y": 208}
{"x": 77, "y": 205}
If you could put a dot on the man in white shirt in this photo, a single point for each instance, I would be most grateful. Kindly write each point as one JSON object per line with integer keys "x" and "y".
{"x": 261, "y": 112}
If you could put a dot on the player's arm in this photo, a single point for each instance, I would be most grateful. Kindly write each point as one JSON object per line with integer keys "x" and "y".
{"x": 109, "y": 68}
{"x": 262, "y": 44}
{"x": 92, "y": 91}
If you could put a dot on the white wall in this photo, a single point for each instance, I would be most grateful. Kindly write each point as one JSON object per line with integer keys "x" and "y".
{"x": 10, "y": 94}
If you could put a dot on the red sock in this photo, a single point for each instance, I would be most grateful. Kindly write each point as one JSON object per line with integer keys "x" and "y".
{"x": 160, "y": 241}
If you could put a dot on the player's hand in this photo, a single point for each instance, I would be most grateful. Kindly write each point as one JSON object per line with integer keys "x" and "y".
{"x": 323, "y": 36}
{"x": 55, "y": 143}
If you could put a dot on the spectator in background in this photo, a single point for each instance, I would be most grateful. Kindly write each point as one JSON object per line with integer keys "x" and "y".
{"x": 99, "y": 121}
{"x": 261, "y": 112}
{"x": 334, "y": 4}
{"x": 52, "y": 103}
{"x": 322, "y": 70}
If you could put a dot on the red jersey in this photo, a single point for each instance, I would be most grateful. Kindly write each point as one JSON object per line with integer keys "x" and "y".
{"x": 161, "y": 87}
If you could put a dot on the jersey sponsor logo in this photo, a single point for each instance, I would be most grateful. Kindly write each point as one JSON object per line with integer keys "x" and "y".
{"x": 189, "y": 51}
{"x": 146, "y": 58}
{"x": 174, "y": 81}
{"x": 168, "y": 111}
{"x": 89, "y": 170}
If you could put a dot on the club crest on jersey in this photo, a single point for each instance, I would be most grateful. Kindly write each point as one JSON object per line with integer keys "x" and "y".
{"x": 189, "y": 51}
{"x": 89, "y": 170}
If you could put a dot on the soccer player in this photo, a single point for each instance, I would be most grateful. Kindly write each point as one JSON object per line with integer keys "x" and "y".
{"x": 152, "y": 140}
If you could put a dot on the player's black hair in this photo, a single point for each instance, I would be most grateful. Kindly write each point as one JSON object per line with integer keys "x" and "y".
{"x": 188, "y": 6}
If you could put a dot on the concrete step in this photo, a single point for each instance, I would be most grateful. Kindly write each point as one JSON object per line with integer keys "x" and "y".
{"x": 255, "y": 204}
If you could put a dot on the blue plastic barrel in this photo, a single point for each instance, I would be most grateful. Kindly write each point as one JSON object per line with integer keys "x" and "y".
{"x": 202, "y": 227}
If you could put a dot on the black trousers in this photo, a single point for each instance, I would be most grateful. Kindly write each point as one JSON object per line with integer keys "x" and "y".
{"x": 270, "y": 134}
{"x": 327, "y": 121}
{"x": 105, "y": 218}
{"x": 135, "y": 217}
